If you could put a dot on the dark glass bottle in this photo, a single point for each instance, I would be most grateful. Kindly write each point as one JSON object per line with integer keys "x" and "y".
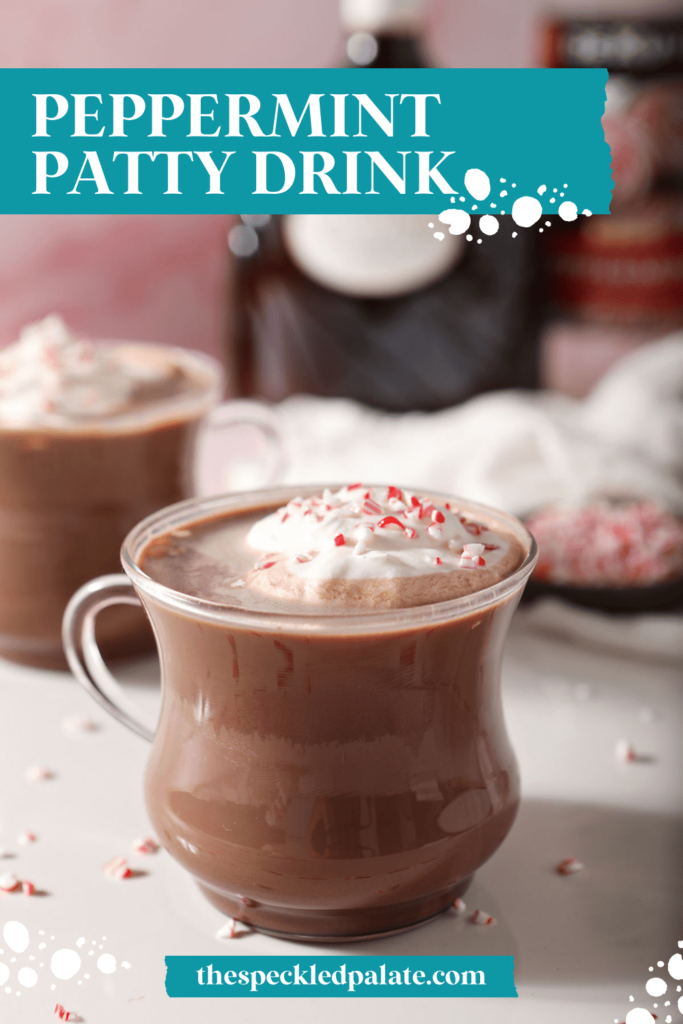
{"x": 384, "y": 313}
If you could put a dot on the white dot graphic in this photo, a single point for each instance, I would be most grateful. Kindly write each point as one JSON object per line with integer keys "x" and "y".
{"x": 680, "y": 1005}
{"x": 526, "y": 211}
{"x": 655, "y": 987}
{"x": 503, "y": 193}
{"x": 474, "y": 206}
{"x": 27, "y": 977}
{"x": 514, "y": 234}
{"x": 542, "y": 189}
{"x": 676, "y": 966}
{"x": 477, "y": 183}
{"x": 4, "y": 973}
{"x": 468, "y": 237}
{"x": 639, "y": 1016}
{"x": 439, "y": 235}
{"x": 65, "y": 963}
{"x": 107, "y": 963}
{"x": 458, "y": 221}
{"x": 568, "y": 211}
{"x": 15, "y": 935}
{"x": 587, "y": 213}
{"x": 488, "y": 225}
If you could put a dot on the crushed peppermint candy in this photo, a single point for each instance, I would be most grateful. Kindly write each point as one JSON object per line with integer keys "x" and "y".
{"x": 481, "y": 917}
{"x": 232, "y": 929}
{"x": 28, "y": 888}
{"x": 63, "y": 1014}
{"x": 38, "y": 773}
{"x": 75, "y": 724}
{"x": 472, "y": 556}
{"x": 117, "y": 869}
{"x": 145, "y": 846}
{"x": 376, "y": 532}
{"x": 625, "y": 751}
{"x": 458, "y": 907}
{"x": 601, "y": 544}
{"x": 569, "y": 866}
{"x": 9, "y": 882}
{"x": 24, "y": 838}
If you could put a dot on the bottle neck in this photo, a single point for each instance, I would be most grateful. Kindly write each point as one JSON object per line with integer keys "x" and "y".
{"x": 382, "y": 33}
{"x": 381, "y": 17}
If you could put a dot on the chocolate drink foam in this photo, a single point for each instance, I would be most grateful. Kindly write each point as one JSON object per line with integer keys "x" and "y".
{"x": 361, "y": 548}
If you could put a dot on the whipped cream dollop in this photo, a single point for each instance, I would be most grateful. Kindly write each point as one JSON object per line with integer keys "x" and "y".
{"x": 362, "y": 532}
{"x": 50, "y": 376}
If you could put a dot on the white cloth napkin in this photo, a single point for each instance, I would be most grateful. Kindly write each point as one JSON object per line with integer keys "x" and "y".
{"x": 518, "y": 451}
{"x": 511, "y": 449}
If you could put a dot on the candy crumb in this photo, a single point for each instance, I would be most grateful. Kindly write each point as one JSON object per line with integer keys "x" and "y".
{"x": 38, "y": 773}
{"x": 117, "y": 869}
{"x": 63, "y": 1014}
{"x": 9, "y": 882}
{"x": 24, "y": 838}
{"x": 74, "y": 724}
{"x": 28, "y": 888}
{"x": 232, "y": 929}
{"x": 458, "y": 907}
{"x": 569, "y": 866}
{"x": 625, "y": 751}
{"x": 146, "y": 845}
{"x": 481, "y": 917}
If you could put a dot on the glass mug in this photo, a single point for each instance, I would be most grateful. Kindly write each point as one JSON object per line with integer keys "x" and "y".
{"x": 69, "y": 495}
{"x": 324, "y": 778}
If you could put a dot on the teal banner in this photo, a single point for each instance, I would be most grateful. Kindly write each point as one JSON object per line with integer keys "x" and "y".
{"x": 336, "y": 977}
{"x": 273, "y": 140}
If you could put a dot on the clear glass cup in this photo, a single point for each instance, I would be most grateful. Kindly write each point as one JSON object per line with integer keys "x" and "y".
{"x": 70, "y": 494}
{"x": 323, "y": 777}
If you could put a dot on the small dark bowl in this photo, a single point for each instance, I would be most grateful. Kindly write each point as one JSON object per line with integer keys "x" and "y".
{"x": 665, "y": 596}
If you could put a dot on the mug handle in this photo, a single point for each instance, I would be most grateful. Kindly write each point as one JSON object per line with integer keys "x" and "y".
{"x": 83, "y": 654}
{"x": 240, "y": 413}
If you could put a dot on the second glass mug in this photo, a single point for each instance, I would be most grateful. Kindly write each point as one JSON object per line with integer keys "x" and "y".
{"x": 69, "y": 496}
{"x": 323, "y": 778}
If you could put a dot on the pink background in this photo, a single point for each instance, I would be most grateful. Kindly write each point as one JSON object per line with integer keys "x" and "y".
{"x": 161, "y": 278}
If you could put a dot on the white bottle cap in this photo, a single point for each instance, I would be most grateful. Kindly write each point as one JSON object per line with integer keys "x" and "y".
{"x": 380, "y": 15}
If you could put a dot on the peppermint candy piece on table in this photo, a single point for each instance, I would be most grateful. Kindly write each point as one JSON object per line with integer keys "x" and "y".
{"x": 24, "y": 838}
{"x": 569, "y": 866}
{"x": 145, "y": 846}
{"x": 28, "y": 888}
{"x": 38, "y": 773}
{"x": 73, "y": 725}
{"x": 458, "y": 907}
{"x": 9, "y": 882}
{"x": 625, "y": 751}
{"x": 232, "y": 929}
{"x": 481, "y": 917}
{"x": 117, "y": 868}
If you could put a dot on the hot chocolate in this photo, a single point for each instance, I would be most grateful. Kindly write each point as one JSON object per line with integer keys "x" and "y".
{"x": 331, "y": 760}
{"x": 92, "y": 439}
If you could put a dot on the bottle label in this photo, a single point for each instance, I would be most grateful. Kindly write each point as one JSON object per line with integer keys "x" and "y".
{"x": 370, "y": 255}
